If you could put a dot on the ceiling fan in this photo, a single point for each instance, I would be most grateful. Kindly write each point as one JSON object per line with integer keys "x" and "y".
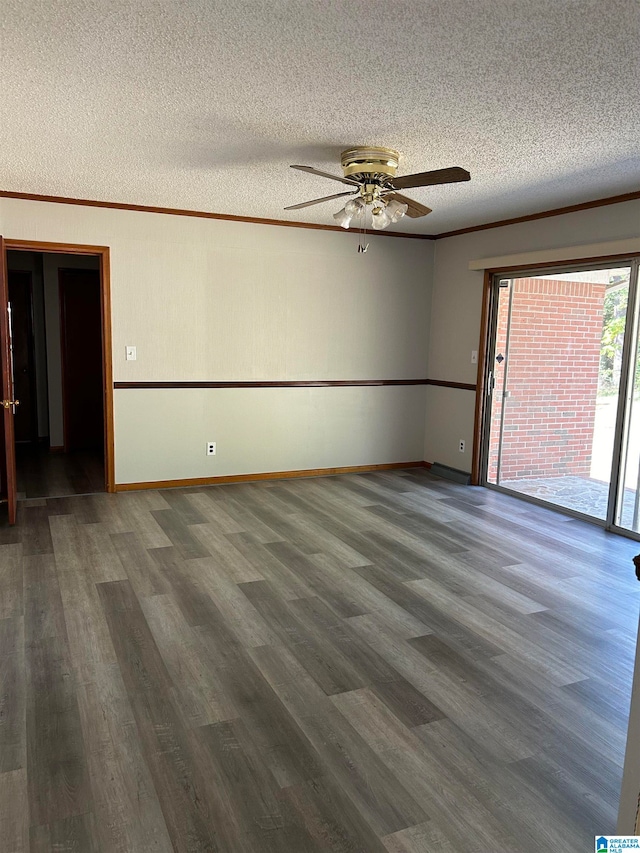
{"x": 371, "y": 172}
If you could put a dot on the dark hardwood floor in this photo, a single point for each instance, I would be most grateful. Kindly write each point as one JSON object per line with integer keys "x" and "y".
{"x": 363, "y": 663}
{"x": 42, "y": 474}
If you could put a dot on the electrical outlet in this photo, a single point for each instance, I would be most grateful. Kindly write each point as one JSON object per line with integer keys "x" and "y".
{"x": 461, "y": 446}
{"x": 211, "y": 448}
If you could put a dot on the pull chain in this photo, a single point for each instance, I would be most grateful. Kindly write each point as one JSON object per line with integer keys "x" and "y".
{"x": 362, "y": 246}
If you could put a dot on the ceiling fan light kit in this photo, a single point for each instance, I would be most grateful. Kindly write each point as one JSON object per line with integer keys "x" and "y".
{"x": 371, "y": 174}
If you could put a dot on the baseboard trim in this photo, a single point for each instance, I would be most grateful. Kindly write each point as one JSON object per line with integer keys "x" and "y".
{"x": 270, "y": 475}
{"x": 449, "y": 473}
{"x": 56, "y": 448}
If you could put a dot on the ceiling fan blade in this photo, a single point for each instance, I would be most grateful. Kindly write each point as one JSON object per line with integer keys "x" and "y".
{"x": 429, "y": 179}
{"x": 414, "y": 208}
{"x": 313, "y": 171}
{"x": 319, "y": 200}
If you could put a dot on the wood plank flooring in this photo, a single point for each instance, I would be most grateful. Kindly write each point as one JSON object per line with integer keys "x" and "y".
{"x": 354, "y": 664}
{"x": 43, "y": 474}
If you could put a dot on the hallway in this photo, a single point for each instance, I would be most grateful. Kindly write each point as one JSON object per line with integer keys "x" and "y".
{"x": 42, "y": 474}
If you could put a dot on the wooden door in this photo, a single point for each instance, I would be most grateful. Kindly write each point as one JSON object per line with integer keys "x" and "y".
{"x": 24, "y": 376}
{"x": 82, "y": 382}
{"x": 8, "y": 487}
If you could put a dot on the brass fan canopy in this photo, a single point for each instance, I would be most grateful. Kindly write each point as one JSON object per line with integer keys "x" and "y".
{"x": 370, "y": 163}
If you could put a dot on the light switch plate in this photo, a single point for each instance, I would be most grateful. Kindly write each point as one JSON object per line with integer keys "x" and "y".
{"x": 131, "y": 354}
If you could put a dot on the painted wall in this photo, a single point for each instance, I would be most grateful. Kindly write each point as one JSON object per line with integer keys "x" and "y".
{"x": 215, "y": 300}
{"x": 266, "y": 429}
{"x": 456, "y": 309}
{"x": 206, "y": 299}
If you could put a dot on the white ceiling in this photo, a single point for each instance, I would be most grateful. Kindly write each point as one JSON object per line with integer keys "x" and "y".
{"x": 202, "y": 104}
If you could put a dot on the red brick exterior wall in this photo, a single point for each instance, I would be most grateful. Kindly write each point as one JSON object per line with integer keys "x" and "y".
{"x": 554, "y": 357}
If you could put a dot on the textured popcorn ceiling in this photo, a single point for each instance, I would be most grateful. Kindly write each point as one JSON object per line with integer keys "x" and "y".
{"x": 203, "y": 105}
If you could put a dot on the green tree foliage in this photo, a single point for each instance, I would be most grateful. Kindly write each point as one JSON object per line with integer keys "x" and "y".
{"x": 613, "y": 326}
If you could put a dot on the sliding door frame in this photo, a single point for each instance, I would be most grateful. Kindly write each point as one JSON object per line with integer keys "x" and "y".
{"x": 625, "y": 402}
{"x": 485, "y": 372}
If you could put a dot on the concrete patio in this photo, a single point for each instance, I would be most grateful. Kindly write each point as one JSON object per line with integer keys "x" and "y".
{"x": 589, "y": 495}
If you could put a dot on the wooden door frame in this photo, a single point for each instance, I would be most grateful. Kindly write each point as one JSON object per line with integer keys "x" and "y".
{"x": 103, "y": 253}
{"x": 481, "y": 390}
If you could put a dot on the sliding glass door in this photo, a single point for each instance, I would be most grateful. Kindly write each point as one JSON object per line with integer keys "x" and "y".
{"x": 562, "y": 420}
{"x": 627, "y": 506}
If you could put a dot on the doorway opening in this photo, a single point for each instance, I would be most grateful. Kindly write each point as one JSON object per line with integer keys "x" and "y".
{"x": 562, "y": 407}
{"x": 61, "y": 427}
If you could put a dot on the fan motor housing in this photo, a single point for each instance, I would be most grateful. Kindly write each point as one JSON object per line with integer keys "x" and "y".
{"x": 371, "y": 164}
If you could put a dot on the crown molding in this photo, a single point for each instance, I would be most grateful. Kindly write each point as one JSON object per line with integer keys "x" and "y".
{"x": 557, "y": 211}
{"x": 200, "y": 214}
{"x": 228, "y": 217}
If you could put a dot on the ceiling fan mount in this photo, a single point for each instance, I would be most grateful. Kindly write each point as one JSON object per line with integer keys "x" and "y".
{"x": 370, "y": 164}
